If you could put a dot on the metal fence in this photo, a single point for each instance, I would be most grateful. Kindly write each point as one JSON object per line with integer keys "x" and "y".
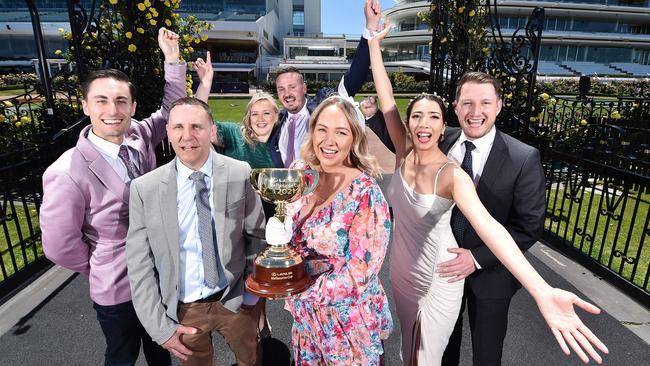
{"x": 600, "y": 216}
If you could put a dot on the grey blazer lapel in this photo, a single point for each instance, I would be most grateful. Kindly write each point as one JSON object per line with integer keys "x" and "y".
{"x": 168, "y": 192}
{"x": 220, "y": 176}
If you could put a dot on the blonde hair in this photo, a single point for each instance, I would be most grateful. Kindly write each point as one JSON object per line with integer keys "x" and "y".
{"x": 359, "y": 153}
{"x": 250, "y": 137}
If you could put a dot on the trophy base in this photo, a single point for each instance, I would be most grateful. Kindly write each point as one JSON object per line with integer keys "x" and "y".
{"x": 277, "y": 274}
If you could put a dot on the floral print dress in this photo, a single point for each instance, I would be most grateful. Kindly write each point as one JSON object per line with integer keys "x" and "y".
{"x": 342, "y": 318}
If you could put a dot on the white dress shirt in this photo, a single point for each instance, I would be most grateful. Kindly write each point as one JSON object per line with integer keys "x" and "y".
{"x": 302, "y": 127}
{"x": 483, "y": 146}
{"x": 192, "y": 281}
{"x": 110, "y": 153}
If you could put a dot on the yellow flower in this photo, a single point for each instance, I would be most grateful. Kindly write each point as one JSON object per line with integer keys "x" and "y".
{"x": 128, "y": 35}
{"x": 132, "y": 48}
{"x": 2, "y": 118}
{"x": 190, "y": 49}
{"x": 153, "y": 21}
{"x": 443, "y": 40}
{"x": 119, "y": 25}
{"x": 148, "y": 16}
{"x": 25, "y": 119}
{"x": 553, "y": 100}
{"x": 112, "y": 2}
{"x": 191, "y": 17}
{"x": 147, "y": 3}
{"x": 141, "y": 7}
{"x": 508, "y": 96}
{"x": 68, "y": 36}
{"x": 61, "y": 30}
{"x": 486, "y": 50}
{"x": 472, "y": 13}
{"x": 18, "y": 124}
{"x": 461, "y": 10}
{"x": 87, "y": 47}
{"x": 58, "y": 52}
{"x": 154, "y": 12}
{"x": 8, "y": 104}
{"x": 167, "y": 4}
{"x": 544, "y": 96}
{"x": 616, "y": 115}
{"x": 168, "y": 22}
{"x": 583, "y": 122}
{"x": 533, "y": 119}
{"x": 139, "y": 30}
{"x": 204, "y": 37}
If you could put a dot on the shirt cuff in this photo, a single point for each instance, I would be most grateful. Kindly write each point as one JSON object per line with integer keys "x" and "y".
{"x": 367, "y": 33}
{"x": 478, "y": 266}
{"x": 250, "y": 299}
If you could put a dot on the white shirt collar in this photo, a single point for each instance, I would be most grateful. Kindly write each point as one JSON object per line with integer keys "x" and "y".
{"x": 109, "y": 148}
{"x": 303, "y": 111}
{"x": 183, "y": 172}
{"x": 483, "y": 143}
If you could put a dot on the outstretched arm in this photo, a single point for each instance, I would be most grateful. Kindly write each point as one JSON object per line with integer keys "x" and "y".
{"x": 205, "y": 72}
{"x": 556, "y": 305}
{"x": 396, "y": 128}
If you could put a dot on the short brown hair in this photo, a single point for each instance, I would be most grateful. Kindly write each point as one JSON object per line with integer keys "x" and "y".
{"x": 478, "y": 77}
{"x": 288, "y": 69}
{"x": 359, "y": 153}
{"x": 195, "y": 102}
{"x": 106, "y": 74}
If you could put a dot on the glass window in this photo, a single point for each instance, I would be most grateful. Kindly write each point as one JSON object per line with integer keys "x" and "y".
{"x": 299, "y": 18}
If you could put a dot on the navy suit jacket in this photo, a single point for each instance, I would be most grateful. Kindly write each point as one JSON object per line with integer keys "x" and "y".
{"x": 512, "y": 189}
{"x": 354, "y": 79}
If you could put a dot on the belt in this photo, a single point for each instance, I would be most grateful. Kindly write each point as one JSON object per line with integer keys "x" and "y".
{"x": 212, "y": 298}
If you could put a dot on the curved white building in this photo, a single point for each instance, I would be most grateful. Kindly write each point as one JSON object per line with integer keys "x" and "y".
{"x": 603, "y": 37}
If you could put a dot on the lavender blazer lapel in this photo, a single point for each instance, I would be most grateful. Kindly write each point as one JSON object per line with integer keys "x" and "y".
{"x": 168, "y": 192}
{"x": 101, "y": 168}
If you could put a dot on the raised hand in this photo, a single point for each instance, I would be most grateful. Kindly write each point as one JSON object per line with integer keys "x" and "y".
{"x": 205, "y": 72}
{"x": 168, "y": 43}
{"x": 372, "y": 12}
{"x": 556, "y": 306}
{"x": 380, "y": 35}
{"x": 204, "y": 69}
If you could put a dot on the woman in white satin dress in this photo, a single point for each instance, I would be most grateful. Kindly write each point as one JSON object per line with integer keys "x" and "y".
{"x": 423, "y": 191}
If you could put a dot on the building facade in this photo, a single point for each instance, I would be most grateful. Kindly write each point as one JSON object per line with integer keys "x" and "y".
{"x": 604, "y": 37}
{"x": 246, "y": 38}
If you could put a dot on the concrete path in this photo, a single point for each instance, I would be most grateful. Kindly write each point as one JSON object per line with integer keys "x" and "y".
{"x": 58, "y": 325}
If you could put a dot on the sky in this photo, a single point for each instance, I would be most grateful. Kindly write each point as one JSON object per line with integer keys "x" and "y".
{"x": 345, "y": 16}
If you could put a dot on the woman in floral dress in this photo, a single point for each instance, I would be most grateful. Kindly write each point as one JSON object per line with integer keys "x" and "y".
{"x": 342, "y": 231}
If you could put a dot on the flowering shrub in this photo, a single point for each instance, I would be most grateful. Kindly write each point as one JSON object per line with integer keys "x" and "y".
{"x": 125, "y": 37}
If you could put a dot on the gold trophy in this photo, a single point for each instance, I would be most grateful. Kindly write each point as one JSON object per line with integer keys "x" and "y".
{"x": 279, "y": 272}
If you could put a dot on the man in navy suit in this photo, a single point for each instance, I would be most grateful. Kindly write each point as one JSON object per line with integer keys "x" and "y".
{"x": 510, "y": 182}
{"x": 290, "y": 132}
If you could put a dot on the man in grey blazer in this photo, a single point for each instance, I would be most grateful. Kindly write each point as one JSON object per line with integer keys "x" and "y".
{"x": 195, "y": 227}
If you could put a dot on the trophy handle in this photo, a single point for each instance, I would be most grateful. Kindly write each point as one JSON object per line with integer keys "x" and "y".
{"x": 311, "y": 181}
{"x": 255, "y": 174}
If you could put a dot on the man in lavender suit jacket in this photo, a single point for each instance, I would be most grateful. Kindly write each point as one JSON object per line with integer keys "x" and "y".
{"x": 85, "y": 215}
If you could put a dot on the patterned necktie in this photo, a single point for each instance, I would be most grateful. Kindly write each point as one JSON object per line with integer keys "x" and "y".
{"x": 211, "y": 261}
{"x": 290, "y": 144}
{"x": 458, "y": 221}
{"x": 131, "y": 169}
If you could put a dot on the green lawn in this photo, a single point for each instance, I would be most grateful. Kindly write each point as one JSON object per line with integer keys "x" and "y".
{"x": 10, "y": 230}
{"x": 14, "y": 91}
{"x": 233, "y": 109}
{"x": 583, "y": 223}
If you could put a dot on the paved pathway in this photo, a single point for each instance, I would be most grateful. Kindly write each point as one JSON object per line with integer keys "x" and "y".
{"x": 62, "y": 330}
